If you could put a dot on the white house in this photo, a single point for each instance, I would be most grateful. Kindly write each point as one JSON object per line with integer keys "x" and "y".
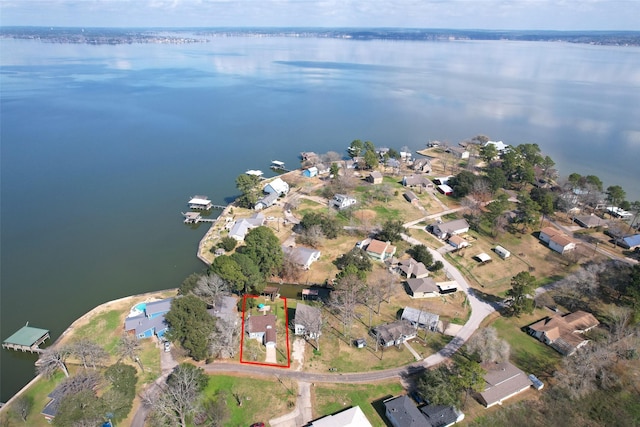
{"x": 278, "y": 186}
{"x": 242, "y": 226}
{"x": 302, "y": 256}
{"x": 420, "y": 319}
{"x": 342, "y": 201}
{"x": 500, "y": 146}
{"x": 557, "y": 240}
{"x": 307, "y": 321}
{"x": 443, "y": 230}
{"x": 266, "y": 201}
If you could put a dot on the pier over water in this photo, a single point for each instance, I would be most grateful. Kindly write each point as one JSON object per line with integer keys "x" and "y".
{"x": 27, "y": 339}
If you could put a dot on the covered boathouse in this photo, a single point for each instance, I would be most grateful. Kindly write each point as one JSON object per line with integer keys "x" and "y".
{"x": 27, "y": 339}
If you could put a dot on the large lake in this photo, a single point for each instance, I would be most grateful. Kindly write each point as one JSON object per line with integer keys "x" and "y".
{"x": 103, "y": 145}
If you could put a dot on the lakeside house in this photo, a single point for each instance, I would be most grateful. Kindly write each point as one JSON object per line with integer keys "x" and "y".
{"x": 564, "y": 333}
{"x": 444, "y": 230}
{"x": 242, "y": 226}
{"x": 266, "y": 201}
{"x": 310, "y": 172}
{"x": 262, "y": 328}
{"x": 501, "y": 147}
{"x": 556, "y": 240}
{"x": 503, "y": 380}
{"x": 277, "y": 186}
{"x": 225, "y": 309}
{"x": 150, "y": 322}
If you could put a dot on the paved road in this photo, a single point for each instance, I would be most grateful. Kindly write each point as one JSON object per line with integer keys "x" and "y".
{"x": 479, "y": 311}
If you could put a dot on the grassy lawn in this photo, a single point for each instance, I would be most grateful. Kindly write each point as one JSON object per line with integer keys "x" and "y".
{"x": 38, "y": 393}
{"x": 527, "y": 352}
{"x": 330, "y": 399}
{"x": 104, "y": 329}
{"x": 261, "y": 399}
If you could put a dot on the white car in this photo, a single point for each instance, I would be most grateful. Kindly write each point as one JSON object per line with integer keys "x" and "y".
{"x": 167, "y": 346}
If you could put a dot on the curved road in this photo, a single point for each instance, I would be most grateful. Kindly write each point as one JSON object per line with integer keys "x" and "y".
{"x": 479, "y": 311}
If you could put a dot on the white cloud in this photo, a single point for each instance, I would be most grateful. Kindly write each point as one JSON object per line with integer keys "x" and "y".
{"x": 491, "y": 14}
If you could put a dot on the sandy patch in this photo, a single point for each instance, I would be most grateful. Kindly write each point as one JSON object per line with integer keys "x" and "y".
{"x": 271, "y": 356}
{"x": 298, "y": 353}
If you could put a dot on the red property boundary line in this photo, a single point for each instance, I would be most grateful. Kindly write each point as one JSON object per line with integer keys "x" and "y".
{"x": 286, "y": 320}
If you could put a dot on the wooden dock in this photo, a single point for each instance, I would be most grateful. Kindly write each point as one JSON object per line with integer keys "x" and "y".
{"x": 27, "y": 339}
{"x": 195, "y": 218}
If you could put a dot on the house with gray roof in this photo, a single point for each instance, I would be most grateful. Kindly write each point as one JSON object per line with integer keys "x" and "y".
{"x": 441, "y": 415}
{"x": 151, "y": 322}
{"x": 421, "y": 319}
{"x": 503, "y": 380}
{"x": 226, "y": 309}
{"x": 307, "y": 321}
{"x": 402, "y": 412}
{"x": 266, "y": 201}
{"x": 415, "y": 181}
{"x": 412, "y": 268}
{"x": 443, "y": 230}
{"x": 242, "y": 226}
{"x": 394, "y": 333}
{"x": 424, "y": 287}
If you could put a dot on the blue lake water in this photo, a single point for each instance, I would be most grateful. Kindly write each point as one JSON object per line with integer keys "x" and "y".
{"x": 101, "y": 146}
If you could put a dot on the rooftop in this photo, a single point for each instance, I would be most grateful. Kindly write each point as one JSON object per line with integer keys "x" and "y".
{"x": 26, "y": 336}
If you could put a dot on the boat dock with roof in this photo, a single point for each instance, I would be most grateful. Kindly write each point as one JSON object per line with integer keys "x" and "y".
{"x": 27, "y": 339}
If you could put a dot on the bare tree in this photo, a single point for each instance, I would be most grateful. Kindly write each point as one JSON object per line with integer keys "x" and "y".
{"x": 89, "y": 353}
{"x": 311, "y": 236}
{"x": 21, "y": 407}
{"x": 179, "y": 398}
{"x": 331, "y": 157}
{"x": 488, "y": 346}
{"x": 52, "y": 359}
{"x": 588, "y": 369}
{"x": 312, "y": 322}
{"x": 210, "y": 288}
{"x": 291, "y": 270}
{"x": 345, "y": 299}
{"x": 225, "y": 339}
{"x": 128, "y": 348}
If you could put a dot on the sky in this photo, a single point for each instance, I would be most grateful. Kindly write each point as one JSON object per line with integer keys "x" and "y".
{"x": 453, "y": 14}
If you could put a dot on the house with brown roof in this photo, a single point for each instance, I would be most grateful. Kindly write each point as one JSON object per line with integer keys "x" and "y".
{"x": 262, "y": 328}
{"x": 557, "y": 240}
{"x": 458, "y": 242}
{"x": 379, "y": 250}
{"x": 503, "y": 380}
{"x": 564, "y": 333}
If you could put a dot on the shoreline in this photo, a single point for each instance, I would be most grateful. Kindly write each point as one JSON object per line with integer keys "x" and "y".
{"x": 81, "y": 320}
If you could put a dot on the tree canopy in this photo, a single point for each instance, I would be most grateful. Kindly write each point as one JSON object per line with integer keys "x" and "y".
{"x": 263, "y": 247}
{"x": 421, "y": 254}
{"x": 391, "y": 231}
{"x": 190, "y": 325}
{"x": 248, "y": 185}
{"x": 521, "y": 293}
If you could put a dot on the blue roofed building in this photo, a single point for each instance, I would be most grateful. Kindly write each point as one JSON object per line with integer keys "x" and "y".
{"x": 630, "y": 242}
{"x": 151, "y": 321}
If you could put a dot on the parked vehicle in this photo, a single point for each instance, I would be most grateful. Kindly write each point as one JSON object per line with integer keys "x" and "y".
{"x": 167, "y": 346}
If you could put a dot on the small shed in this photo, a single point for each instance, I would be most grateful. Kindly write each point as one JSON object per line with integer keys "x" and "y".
{"x": 310, "y": 172}
{"x": 502, "y": 252}
{"x": 483, "y": 258}
{"x": 375, "y": 177}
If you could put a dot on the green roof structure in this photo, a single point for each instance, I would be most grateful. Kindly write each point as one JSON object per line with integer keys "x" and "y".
{"x": 26, "y": 339}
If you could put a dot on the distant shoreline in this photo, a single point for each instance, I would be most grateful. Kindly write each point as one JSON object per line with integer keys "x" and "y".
{"x": 115, "y": 36}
